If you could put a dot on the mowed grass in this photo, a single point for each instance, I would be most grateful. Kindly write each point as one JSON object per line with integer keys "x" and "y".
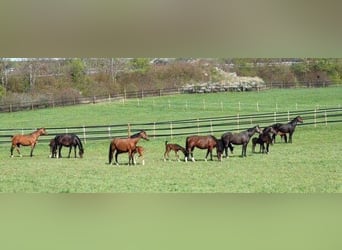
{"x": 309, "y": 165}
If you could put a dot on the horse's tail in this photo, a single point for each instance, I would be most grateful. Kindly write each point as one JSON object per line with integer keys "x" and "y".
{"x": 110, "y": 153}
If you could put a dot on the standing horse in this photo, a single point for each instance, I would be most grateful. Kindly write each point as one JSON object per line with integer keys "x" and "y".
{"x": 241, "y": 138}
{"x": 26, "y": 140}
{"x": 67, "y": 140}
{"x": 202, "y": 142}
{"x": 288, "y": 128}
{"x": 121, "y": 145}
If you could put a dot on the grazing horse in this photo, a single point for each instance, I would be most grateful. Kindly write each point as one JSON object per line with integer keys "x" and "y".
{"x": 26, "y": 140}
{"x": 173, "y": 147}
{"x": 67, "y": 140}
{"x": 264, "y": 137}
{"x": 241, "y": 138}
{"x": 122, "y": 145}
{"x": 288, "y": 128}
{"x": 203, "y": 142}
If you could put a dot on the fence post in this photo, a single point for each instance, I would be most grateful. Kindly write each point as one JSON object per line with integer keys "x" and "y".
{"x": 211, "y": 127}
{"x": 154, "y": 130}
{"x": 171, "y": 131}
{"x": 275, "y": 116}
{"x": 326, "y": 118}
{"x": 238, "y": 122}
{"x": 258, "y": 106}
{"x": 198, "y": 130}
{"x": 84, "y": 135}
{"x": 288, "y": 115}
{"x": 315, "y": 117}
{"x": 109, "y": 135}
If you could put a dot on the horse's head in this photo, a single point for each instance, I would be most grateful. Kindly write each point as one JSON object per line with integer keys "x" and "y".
{"x": 143, "y": 135}
{"x": 299, "y": 119}
{"x": 42, "y": 131}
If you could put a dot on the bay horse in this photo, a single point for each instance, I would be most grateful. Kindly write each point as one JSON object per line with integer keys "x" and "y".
{"x": 264, "y": 137}
{"x": 122, "y": 145}
{"x": 26, "y": 140}
{"x": 288, "y": 128}
{"x": 66, "y": 140}
{"x": 173, "y": 147}
{"x": 241, "y": 138}
{"x": 208, "y": 142}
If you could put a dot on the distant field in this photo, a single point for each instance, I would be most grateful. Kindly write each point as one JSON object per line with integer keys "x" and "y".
{"x": 309, "y": 165}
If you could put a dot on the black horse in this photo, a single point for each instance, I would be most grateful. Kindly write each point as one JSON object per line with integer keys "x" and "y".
{"x": 288, "y": 128}
{"x": 67, "y": 140}
{"x": 241, "y": 138}
{"x": 264, "y": 137}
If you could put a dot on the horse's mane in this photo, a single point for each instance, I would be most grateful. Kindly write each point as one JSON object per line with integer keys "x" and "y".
{"x": 137, "y": 134}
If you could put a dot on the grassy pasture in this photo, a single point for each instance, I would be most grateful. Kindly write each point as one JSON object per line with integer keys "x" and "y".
{"x": 309, "y": 165}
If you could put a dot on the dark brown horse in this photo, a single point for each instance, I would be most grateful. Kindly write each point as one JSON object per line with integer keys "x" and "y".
{"x": 26, "y": 140}
{"x": 241, "y": 138}
{"x": 208, "y": 142}
{"x": 66, "y": 140}
{"x": 288, "y": 128}
{"x": 122, "y": 145}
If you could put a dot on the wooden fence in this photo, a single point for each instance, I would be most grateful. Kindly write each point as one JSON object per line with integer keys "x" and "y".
{"x": 171, "y": 129}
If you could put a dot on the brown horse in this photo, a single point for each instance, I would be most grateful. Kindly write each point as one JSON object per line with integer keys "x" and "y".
{"x": 138, "y": 150}
{"x": 173, "y": 147}
{"x": 208, "y": 142}
{"x": 26, "y": 140}
{"x": 121, "y": 145}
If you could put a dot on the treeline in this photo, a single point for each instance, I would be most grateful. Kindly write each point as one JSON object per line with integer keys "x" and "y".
{"x": 35, "y": 79}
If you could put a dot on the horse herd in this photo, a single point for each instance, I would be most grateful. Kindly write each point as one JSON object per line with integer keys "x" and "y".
{"x": 129, "y": 145}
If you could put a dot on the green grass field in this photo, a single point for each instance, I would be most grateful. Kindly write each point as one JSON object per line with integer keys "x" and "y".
{"x": 309, "y": 165}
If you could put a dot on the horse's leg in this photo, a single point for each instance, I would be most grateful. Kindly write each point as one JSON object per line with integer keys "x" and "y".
{"x": 32, "y": 147}
{"x": 290, "y": 137}
{"x": 208, "y": 151}
{"x": 267, "y": 147}
{"x": 12, "y": 148}
{"x": 285, "y": 138}
{"x": 75, "y": 150}
{"x": 70, "y": 151}
{"x": 244, "y": 146}
{"x": 116, "y": 158}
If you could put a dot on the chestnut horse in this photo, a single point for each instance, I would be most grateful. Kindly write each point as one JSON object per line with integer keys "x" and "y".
{"x": 208, "y": 142}
{"x": 26, "y": 140}
{"x": 122, "y": 145}
{"x": 138, "y": 150}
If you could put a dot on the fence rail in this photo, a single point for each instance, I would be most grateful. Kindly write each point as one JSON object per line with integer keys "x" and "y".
{"x": 172, "y": 129}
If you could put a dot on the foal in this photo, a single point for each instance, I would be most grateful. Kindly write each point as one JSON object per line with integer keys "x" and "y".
{"x": 173, "y": 147}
